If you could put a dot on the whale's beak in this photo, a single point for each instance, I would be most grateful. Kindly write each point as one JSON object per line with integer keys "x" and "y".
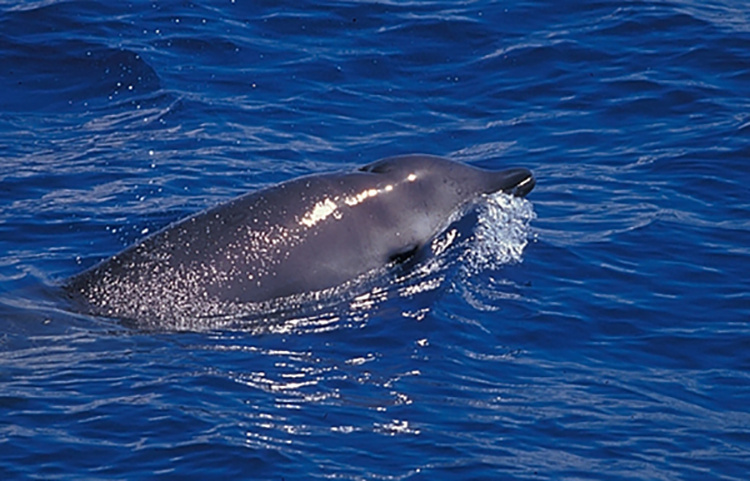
{"x": 517, "y": 182}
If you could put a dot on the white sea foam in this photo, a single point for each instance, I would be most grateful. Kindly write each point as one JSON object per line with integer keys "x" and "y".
{"x": 501, "y": 234}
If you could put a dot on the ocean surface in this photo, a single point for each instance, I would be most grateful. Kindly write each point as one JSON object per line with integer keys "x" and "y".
{"x": 598, "y": 330}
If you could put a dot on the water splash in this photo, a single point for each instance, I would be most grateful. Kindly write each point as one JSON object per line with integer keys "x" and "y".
{"x": 501, "y": 234}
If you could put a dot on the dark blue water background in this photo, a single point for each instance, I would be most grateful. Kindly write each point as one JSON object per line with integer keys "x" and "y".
{"x": 619, "y": 348}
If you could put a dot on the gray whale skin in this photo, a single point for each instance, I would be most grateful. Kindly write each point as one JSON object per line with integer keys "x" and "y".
{"x": 303, "y": 235}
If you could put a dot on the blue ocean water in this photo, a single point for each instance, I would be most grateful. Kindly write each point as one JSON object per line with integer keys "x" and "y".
{"x": 617, "y": 348}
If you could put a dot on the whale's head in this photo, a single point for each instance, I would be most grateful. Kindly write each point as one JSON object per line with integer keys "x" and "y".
{"x": 517, "y": 181}
{"x": 452, "y": 178}
{"x": 421, "y": 193}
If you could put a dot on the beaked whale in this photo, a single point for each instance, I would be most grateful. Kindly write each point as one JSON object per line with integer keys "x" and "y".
{"x": 306, "y": 234}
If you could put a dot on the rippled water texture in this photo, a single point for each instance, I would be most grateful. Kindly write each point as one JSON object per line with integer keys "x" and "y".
{"x": 601, "y": 334}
